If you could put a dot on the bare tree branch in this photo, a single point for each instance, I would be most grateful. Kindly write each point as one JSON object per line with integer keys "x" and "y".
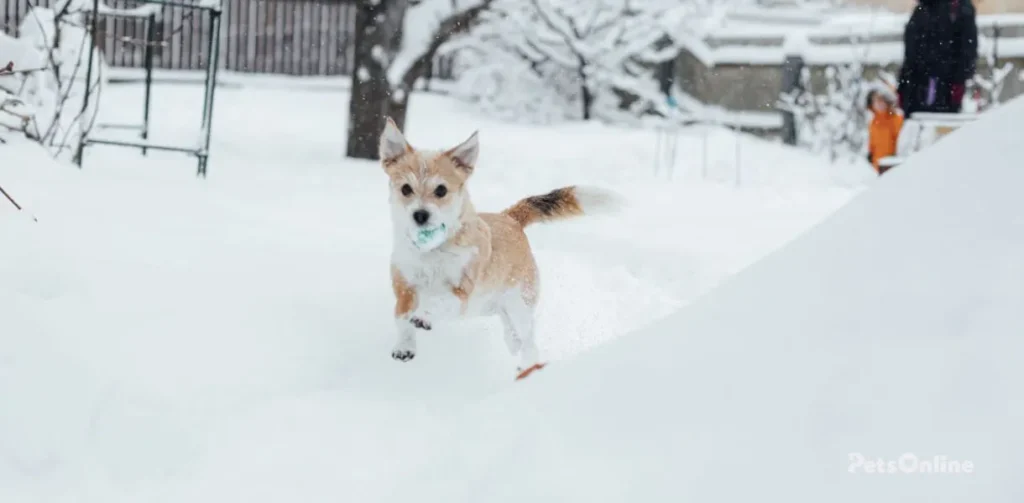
{"x": 451, "y": 26}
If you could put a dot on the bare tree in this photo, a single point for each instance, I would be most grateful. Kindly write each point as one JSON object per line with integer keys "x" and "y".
{"x": 587, "y": 55}
{"x": 396, "y": 42}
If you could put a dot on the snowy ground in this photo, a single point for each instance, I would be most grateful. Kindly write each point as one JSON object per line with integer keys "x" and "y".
{"x": 874, "y": 358}
{"x": 172, "y": 339}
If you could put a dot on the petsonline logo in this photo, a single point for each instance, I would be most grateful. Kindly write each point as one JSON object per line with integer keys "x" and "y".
{"x": 908, "y": 463}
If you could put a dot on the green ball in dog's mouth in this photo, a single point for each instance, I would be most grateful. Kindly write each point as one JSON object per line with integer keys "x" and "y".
{"x": 431, "y": 237}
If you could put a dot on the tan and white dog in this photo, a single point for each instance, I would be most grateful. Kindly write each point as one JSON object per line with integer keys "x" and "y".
{"x": 449, "y": 261}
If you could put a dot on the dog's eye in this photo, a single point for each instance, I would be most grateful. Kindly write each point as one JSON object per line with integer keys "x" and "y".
{"x": 440, "y": 191}
{"x": 406, "y": 190}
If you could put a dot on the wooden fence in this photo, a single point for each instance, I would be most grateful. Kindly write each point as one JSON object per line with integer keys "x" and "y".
{"x": 292, "y": 37}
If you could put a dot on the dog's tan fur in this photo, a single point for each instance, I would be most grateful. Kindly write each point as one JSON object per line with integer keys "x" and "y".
{"x": 505, "y": 260}
{"x": 501, "y": 259}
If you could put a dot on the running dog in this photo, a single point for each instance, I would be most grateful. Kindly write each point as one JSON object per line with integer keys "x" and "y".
{"x": 450, "y": 261}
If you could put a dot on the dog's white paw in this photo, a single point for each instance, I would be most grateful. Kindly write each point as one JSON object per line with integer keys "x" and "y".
{"x": 404, "y": 351}
{"x": 422, "y": 317}
{"x": 420, "y": 323}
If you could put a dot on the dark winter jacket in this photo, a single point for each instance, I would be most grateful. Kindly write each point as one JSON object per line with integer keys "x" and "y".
{"x": 940, "y": 51}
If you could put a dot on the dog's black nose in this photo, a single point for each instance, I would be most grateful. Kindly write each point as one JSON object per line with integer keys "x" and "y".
{"x": 420, "y": 216}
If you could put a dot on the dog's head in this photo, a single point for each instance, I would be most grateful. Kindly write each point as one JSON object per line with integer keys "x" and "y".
{"x": 428, "y": 188}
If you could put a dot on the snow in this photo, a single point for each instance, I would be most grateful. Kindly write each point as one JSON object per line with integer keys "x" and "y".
{"x": 51, "y": 108}
{"x": 22, "y": 53}
{"x": 762, "y": 36}
{"x": 720, "y": 115}
{"x": 141, "y": 11}
{"x": 833, "y": 120}
{"x": 167, "y": 338}
{"x": 419, "y": 26}
{"x": 544, "y": 60}
{"x": 378, "y": 55}
{"x": 211, "y": 4}
{"x": 891, "y": 330}
{"x": 398, "y": 96}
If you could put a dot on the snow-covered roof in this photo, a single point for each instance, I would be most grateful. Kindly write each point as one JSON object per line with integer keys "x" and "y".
{"x": 765, "y": 36}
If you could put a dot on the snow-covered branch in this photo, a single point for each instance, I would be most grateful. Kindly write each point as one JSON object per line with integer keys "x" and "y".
{"x": 988, "y": 85}
{"x": 587, "y": 59}
{"x": 426, "y": 27}
{"x": 141, "y": 11}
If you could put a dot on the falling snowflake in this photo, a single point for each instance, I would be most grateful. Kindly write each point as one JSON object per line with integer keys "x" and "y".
{"x": 379, "y": 55}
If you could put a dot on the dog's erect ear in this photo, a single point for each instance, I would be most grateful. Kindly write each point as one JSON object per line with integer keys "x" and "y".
{"x": 392, "y": 142}
{"x": 466, "y": 153}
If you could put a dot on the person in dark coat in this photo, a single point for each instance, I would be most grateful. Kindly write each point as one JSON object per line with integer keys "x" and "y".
{"x": 940, "y": 51}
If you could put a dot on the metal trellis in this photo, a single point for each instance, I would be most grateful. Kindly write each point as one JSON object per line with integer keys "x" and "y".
{"x": 201, "y": 150}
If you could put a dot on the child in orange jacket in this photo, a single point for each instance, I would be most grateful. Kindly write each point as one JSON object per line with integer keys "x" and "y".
{"x": 884, "y": 129}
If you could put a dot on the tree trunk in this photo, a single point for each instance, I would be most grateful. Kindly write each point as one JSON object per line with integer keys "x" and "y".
{"x": 377, "y": 25}
{"x": 373, "y": 97}
{"x": 588, "y": 103}
{"x": 586, "y": 97}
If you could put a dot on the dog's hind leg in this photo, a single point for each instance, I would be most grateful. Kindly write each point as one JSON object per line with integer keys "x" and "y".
{"x": 518, "y": 316}
{"x": 512, "y": 340}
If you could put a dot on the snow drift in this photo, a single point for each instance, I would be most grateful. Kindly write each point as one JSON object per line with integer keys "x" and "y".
{"x": 168, "y": 339}
{"x": 892, "y": 330}
{"x": 165, "y": 340}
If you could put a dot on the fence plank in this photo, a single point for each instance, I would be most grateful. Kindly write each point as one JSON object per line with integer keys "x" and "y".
{"x": 334, "y": 50}
{"x": 320, "y": 18}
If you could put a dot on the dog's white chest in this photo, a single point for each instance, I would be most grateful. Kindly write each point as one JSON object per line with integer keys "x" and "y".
{"x": 439, "y": 269}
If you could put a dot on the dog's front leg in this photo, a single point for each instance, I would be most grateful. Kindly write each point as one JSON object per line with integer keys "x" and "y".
{"x": 405, "y": 301}
{"x": 405, "y": 348}
{"x": 434, "y": 306}
{"x": 449, "y": 300}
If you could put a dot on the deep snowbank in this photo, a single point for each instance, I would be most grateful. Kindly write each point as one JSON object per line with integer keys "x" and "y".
{"x": 167, "y": 339}
{"x": 892, "y": 328}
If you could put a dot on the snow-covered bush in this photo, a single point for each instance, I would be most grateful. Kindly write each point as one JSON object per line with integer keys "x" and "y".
{"x": 45, "y": 95}
{"x": 833, "y": 121}
{"x": 542, "y": 60}
{"x": 14, "y": 115}
{"x": 484, "y": 78}
{"x": 986, "y": 87}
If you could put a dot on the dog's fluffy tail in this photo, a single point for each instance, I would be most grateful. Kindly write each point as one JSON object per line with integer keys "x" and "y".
{"x": 563, "y": 203}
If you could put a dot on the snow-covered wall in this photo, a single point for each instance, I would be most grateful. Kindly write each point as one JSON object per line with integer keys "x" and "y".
{"x": 734, "y": 62}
